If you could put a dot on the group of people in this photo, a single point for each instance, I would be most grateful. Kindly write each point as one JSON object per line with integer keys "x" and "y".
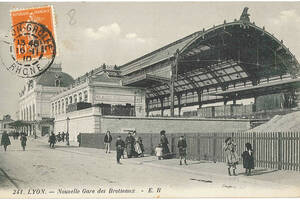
{"x": 5, "y": 141}
{"x": 162, "y": 150}
{"x": 60, "y": 137}
{"x": 232, "y": 158}
{"x": 132, "y": 146}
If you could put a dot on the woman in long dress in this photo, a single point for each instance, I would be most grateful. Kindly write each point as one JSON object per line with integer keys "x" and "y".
{"x": 164, "y": 144}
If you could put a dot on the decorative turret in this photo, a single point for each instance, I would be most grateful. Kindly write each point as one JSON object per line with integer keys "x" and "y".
{"x": 245, "y": 16}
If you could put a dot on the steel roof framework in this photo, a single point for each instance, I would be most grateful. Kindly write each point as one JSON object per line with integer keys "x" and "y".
{"x": 224, "y": 56}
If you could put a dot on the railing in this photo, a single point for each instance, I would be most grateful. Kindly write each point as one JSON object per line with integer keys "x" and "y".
{"x": 277, "y": 150}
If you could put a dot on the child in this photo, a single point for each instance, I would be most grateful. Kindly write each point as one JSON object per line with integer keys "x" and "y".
{"x": 158, "y": 151}
{"x": 231, "y": 156}
{"x": 182, "y": 149}
{"x": 248, "y": 159}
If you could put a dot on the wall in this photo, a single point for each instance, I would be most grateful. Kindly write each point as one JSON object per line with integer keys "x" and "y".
{"x": 86, "y": 121}
{"x": 174, "y": 125}
{"x": 90, "y": 121}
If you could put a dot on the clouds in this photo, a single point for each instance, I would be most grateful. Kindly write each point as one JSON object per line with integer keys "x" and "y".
{"x": 116, "y": 46}
{"x": 103, "y": 32}
{"x": 112, "y": 31}
{"x": 286, "y": 17}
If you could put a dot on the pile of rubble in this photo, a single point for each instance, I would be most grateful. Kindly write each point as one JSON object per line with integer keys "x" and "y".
{"x": 284, "y": 123}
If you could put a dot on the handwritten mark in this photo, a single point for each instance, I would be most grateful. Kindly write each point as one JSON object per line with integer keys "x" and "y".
{"x": 71, "y": 15}
{"x": 205, "y": 181}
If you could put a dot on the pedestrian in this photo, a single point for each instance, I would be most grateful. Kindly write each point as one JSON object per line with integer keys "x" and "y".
{"x": 164, "y": 144}
{"x": 63, "y": 136}
{"x": 68, "y": 138}
{"x": 58, "y": 137}
{"x": 120, "y": 148}
{"x": 140, "y": 147}
{"x": 130, "y": 145}
{"x": 231, "y": 156}
{"x": 23, "y": 141}
{"x": 123, "y": 149}
{"x": 182, "y": 149}
{"x": 5, "y": 141}
{"x": 52, "y": 140}
{"x": 248, "y": 159}
{"x": 79, "y": 139}
{"x": 107, "y": 141}
{"x": 158, "y": 152}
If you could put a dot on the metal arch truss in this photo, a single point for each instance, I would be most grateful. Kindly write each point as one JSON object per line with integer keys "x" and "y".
{"x": 230, "y": 55}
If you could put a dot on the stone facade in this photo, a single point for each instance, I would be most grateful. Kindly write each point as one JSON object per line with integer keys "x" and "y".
{"x": 103, "y": 87}
{"x": 34, "y": 101}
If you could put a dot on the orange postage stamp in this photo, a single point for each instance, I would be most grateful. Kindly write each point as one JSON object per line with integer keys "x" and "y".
{"x": 33, "y": 47}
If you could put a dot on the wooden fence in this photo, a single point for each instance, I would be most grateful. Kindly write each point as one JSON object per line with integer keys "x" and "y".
{"x": 278, "y": 150}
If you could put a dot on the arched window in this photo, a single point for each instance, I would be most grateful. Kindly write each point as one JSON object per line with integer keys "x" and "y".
{"x": 57, "y": 81}
{"x": 80, "y": 97}
{"x": 62, "y": 106}
{"x": 58, "y": 107}
{"x": 85, "y": 96}
{"x": 55, "y": 107}
{"x": 30, "y": 114}
{"x": 27, "y": 114}
{"x": 33, "y": 112}
{"x": 75, "y": 98}
{"x": 70, "y": 100}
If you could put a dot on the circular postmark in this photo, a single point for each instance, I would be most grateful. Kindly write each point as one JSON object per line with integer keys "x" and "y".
{"x": 30, "y": 49}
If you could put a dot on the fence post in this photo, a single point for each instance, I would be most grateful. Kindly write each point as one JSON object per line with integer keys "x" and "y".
{"x": 279, "y": 150}
{"x": 214, "y": 147}
{"x": 254, "y": 146}
{"x": 151, "y": 145}
{"x": 198, "y": 146}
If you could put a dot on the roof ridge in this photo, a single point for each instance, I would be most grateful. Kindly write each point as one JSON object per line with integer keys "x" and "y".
{"x": 162, "y": 48}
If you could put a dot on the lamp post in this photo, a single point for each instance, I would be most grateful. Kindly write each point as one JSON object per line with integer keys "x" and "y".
{"x": 68, "y": 119}
{"x": 68, "y": 135}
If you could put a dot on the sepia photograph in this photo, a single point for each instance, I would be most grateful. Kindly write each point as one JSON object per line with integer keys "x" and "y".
{"x": 149, "y": 99}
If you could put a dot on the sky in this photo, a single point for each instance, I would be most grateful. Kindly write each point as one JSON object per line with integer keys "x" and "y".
{"x": 89, "y": 34}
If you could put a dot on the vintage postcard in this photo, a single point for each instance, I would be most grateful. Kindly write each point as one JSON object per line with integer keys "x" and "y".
{"x": 149, "y": 99}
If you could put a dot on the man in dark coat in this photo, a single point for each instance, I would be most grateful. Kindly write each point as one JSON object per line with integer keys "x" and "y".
{"x": 130, "y": 145}
{"x": 120, "y": 145}
{"x": 182, "y": 149}
{"x": 107, "y": 141}
{"x": 52, "y": 140}
{"x": 5, "y": 141}
{"x": 23, "y": 141}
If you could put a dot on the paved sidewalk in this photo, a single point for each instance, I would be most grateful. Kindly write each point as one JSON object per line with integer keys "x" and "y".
{"x": 209, "y": 169}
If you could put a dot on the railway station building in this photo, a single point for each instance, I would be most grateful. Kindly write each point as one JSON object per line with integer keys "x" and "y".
{"x": 223, "y": 64}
